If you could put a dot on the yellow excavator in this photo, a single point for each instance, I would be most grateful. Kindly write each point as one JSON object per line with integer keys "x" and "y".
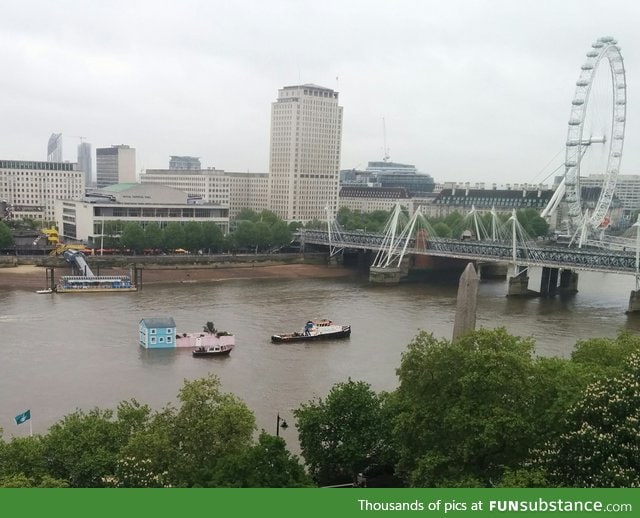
{"x": 59, "y": 248}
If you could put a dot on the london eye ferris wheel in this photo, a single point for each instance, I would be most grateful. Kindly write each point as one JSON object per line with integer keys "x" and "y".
{"x": 597, "y": 119}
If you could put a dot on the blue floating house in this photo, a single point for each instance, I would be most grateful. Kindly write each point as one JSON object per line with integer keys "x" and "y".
{"x": 158, "y": 333}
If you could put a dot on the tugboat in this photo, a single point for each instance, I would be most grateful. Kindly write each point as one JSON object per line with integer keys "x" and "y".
{"x": 315, "y": 330}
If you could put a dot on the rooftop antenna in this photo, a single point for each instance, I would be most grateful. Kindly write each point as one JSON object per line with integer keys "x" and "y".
{"x": 386, "y": 156}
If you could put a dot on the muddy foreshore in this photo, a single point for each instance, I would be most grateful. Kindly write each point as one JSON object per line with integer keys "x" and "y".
{"x": 33, "y": 277}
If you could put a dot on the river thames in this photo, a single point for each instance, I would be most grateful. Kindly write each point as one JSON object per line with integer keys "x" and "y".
{"x": 62, "y": 352}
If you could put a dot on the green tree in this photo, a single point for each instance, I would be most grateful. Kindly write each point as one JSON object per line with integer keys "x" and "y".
{"x": 153, "y": 236}
{"x": 246, "y": 214}
{"x": 265, "y": 464}
{"x": 24, "y": 456}
{"x": 208, "y": 425}
{"x": 111, "y": 231}
{"x": 606, "y": 356}
{"x": 533, "y": 224}
{"x": 149, "y": 455}
{"x": 20, "y": 481}
{"x": 6, "y": 237}
{"x": 601, "y": 445}
{"x": 83, "y": 448}
{"x": 245, "y": 234}
{"x": 262, "y": 235}
{"x": 442, "y": 229}
{"x": 343, "y": 434}
{"x": 193, "y": 236}
{"x": 281, "y": 235}
{"x": 213, "y": 238}
{"x": 173, "y": 236}
{"x": 268, "y": 217}
{"x": 133, "y": 237}
{"x": 209, "y": 328}
{"x": 466, "y": 408}
{"x": 295, "y": 225}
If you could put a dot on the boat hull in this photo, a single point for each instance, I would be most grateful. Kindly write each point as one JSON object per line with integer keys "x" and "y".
{"x": 203, "y": 354}
{"x": 299, "y": 337}
{"x": 206, "y": 352}
{"x": 94, "y": 290}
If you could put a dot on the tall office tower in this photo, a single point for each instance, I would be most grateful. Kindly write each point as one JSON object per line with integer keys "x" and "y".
{"x": 54, "y": 148}
{"x": 185, "y": 163}
{"x": 304, "y": 162}
{"x": 85, "y": 162}
{"x": 115, "y": 164}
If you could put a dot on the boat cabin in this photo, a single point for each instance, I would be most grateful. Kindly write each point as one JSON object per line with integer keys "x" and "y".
{"x": 157, "y": 333}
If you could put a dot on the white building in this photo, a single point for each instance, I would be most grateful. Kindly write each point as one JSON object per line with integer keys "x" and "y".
{"x": 115, "y": 164}
{"x": 233, "y": 190}
{"x": 83, "y": 220}
{"x": 248, "y": 190}
{"x": 304, "y": 162}
{"x": 627, "y": 190}
{"x": 31, "y": 188}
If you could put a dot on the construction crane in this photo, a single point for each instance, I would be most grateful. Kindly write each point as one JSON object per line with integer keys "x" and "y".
{"x": 386, "y": 156}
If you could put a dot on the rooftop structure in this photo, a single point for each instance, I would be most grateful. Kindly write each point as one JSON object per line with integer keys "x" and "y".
{"x": 184, "y": 163}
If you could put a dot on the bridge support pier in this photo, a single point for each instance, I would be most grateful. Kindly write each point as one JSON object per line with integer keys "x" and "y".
{"x": 634, "y": 302}
{"x": 549, "y": 281}
{"x": 492, "y": 270}
{"x": 519, "y": 285}
{"x": 334, "y": 260}
{"x": 568, "y": 282}
{"x": 384, "y": 275}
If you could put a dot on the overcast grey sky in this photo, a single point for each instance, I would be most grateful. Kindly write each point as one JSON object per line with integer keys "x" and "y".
{"x": 470, "y": 90}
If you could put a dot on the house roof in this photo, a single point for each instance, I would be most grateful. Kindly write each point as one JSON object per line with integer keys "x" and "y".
{"x": 159, "y": 322}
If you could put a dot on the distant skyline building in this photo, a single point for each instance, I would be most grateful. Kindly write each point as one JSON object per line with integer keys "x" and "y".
{"x": 115, "y": 164}
{"x": 85, "y": 161}
{"x": 185, "y": 163}
{"x": 627, "y": 190}
{"x": 54, "y": 148}
{"x": 389, "y": 175}
{"x": 304, "y": 159}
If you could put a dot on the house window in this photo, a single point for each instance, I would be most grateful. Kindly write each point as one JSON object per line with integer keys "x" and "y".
{"x": 153, "y": 331}
{"x": 168, "y": 331}
{"x": 153, "y": 339}
{"x": 161, "y": 339}
{"x": 169, "y": 339}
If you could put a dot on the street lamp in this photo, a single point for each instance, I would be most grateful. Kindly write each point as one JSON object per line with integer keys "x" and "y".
{"x": 280, "y": 423}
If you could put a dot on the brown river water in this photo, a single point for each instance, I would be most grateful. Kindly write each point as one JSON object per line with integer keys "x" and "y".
{"x": 60, "y": 352}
